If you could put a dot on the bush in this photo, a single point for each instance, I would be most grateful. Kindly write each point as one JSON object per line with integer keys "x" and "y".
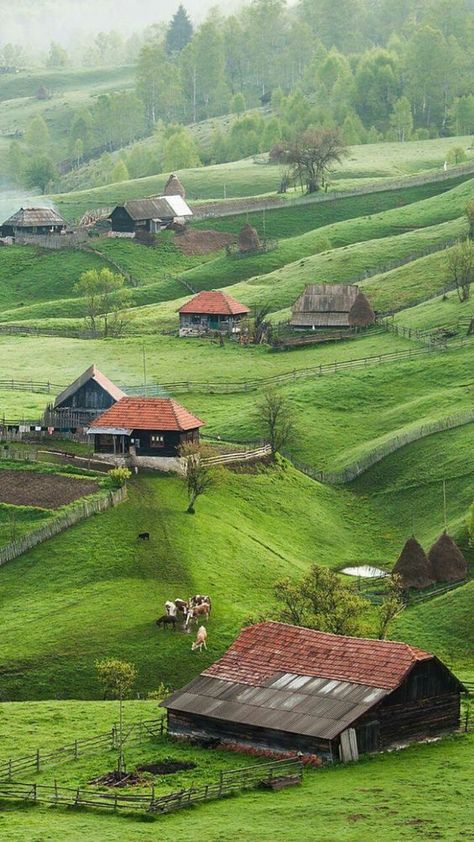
{"x": 119, "y": 476}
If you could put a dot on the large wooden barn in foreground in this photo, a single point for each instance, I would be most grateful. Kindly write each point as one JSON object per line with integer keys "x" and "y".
{"x": 287, "y": 688}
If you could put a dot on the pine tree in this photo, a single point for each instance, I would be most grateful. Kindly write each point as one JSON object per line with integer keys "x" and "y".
{"x": 179, "y": 33}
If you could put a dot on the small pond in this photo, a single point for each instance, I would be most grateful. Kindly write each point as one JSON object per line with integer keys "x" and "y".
{"x": 365, "y": 571}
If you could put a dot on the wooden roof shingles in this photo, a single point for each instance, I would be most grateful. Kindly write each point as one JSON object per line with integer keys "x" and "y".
{"x": 331, "y": 305}
{"x": 33, "y": 217}
{"x": 140, "y": 413}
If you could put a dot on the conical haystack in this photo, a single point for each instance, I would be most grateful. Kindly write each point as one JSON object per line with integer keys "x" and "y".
{"x": 249, "y": 239}
{"x": 413, "y": 566}
{"x": 361, "y": 313}
{"x": 447, "y": 561}
{"x": 173, "y": 187}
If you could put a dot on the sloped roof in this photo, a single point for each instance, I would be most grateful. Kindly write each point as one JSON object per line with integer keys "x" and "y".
{"x": 159, "y": 207}
{"x": 92, "y": 373}
{"x": 31, "y": 217}
{"x": 326, "y": 298}
{"x": 139, "y": 413}
{"x": 214, "y": 303}
{"x": 262, "y": 650}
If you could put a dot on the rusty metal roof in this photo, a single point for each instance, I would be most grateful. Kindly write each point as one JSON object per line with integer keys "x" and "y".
{"x": 298, "y": 704}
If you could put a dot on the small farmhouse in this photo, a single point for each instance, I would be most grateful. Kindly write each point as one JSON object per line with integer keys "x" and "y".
{"x": 332, "y": 305}
{"x": 287, "y": 688}
{"x": 144, "y": 431}
{"x": 28, "y": 221}
{"x": 87, "y": 397}
{"x": 211, "y": 311}
{"x": 149, "y": 215}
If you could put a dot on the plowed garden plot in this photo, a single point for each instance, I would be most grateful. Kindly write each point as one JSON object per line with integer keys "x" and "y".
{"x": 49, "y": 491}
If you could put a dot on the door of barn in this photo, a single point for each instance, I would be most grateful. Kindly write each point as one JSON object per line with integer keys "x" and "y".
{"x": 348, "y": 749}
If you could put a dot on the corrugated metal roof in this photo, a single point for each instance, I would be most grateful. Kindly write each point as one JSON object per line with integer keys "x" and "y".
{"x": 158, "y": 208}
{"x": 292, "y": 703}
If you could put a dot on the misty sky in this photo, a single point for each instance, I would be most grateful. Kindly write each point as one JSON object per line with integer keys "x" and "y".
{"x": 37, "y": 22}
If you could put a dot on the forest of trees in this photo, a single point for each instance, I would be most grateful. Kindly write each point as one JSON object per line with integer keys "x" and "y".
{"x": 402, "y": 70}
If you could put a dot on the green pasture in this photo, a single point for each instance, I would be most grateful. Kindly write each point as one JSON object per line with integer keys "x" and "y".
{"x": 17, "y": 521}
{"x": 442, "y": 311}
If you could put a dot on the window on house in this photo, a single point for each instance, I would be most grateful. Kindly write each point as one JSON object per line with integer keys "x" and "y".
{"x": 157, "y": 441}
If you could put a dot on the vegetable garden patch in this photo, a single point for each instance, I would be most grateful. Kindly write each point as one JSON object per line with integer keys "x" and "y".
{"x": 48, "y": 491}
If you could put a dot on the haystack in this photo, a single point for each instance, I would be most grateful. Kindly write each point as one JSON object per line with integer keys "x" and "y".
{"x": 249, "y": 239}
{"x": 447, "y": 561}
{"x": 361, "y": 313}
{"x": 413, "y": 566}
{"x": 173, "y": 187}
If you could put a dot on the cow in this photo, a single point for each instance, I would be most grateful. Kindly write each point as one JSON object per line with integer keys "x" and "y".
{"x": 143, "y": 536}
{"x": 166, "y": 620}
{"x": 202, "y": 610}
{"x": 200, "y": 641}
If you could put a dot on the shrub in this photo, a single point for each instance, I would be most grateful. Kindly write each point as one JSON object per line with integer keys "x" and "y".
{"x": 119, "y": 476}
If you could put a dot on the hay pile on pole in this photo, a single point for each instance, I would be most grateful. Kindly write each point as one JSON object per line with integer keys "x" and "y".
{"x": 361, "y": 313}
{"x": 447, "y": 561}
{"x": 249, "y": 239}
{"x": 413, "y": 566}
{"x": 173, "y": 187}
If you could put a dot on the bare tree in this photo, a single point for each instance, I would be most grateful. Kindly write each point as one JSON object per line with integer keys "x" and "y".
{"x": 392, "y": 604}
{"x": 199, "y": 475}
{"x": 276, "y": 419}
{"x": 461, "y": 268}
{"x": 312, "y": 155}
{"x": 469, "y": 211}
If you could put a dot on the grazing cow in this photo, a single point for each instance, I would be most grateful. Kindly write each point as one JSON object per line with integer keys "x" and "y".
{"x": 182, "y": 606}
{"x": 200, "y": 641}
{"x": 166, "y": 620}
{"x": 171, "y": 608}
{"x": 143, "y": 536}
{"x": 199, "y": 611}
{"x": 199, "y": 599}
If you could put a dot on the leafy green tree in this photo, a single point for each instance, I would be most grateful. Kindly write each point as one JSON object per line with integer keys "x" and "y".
{"x": 427, "y": 63}
{"x": 461, "y": 268}
{"x": 313, "y": 154}
{"x": 57, "y": 56}
{"x": 376, "y": 86}
{"x": 179, "y": 32}
{"x": 119, "y": 476}
{"x": 16, "y": 162}
{"x": 202, "y": 65}
{"x": 81, "y": 129}
{"x": 37, "y": 134}
{"x": 198, "y": 474}
{"x": 40, "y": 172}
{"x": 456, "y": 155}
{"x": 320, "y": 600}
{"x": 120, "y": 172}
{"x": 105, "y": 298}
{"x": 237, "y": 104}
{"x": 401, "y": 119}
{"x": 159, "y": 83}
{"x": 78, "y": 151}
{"x": 272, "y": 134}
{"x": 463, "y": 114}
{"x": 391, "y": 605}
{"x": 469, "y": 211}
{"x": 180, "y": 152}
{"x": 117, "y": 678}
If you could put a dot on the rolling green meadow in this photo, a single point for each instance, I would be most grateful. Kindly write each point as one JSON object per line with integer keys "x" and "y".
{"x": 95, "y": 591}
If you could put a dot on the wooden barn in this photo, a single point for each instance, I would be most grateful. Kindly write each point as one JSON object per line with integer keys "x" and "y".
{"x": 288, "y": 688}
{"x": 28, "y": 221}
{"x": 211, "y": 311}
{"x": 145, "y": 431}
{"x": 87, "y": 397}
{"x": 332, "y": 305}
{"x": 149, "y": 215}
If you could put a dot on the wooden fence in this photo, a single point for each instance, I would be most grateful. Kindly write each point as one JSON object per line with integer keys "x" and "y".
{"x": 39, "y": 760}
{"x": 74, "y": 515}
{"x": 270, "y": 774}
{"x": 239, "y": 456}
{"x": 414, "y": 433}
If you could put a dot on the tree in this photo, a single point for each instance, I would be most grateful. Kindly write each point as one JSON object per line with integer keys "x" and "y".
{"x": 312, "y": 155}
{"x": 321, "y": 600}
{"x": 463, "y": 114}
{"x": 275, "y": 417}
{"x": 120, "y": 172}
{"x": 402, "y": 119}
{"x": 117, "y": 678}
{"x": 40, "y": 172}
{"x": 179, "y": 32}
{"x": 456, "y": 155}
{"x": 37, "y": 134}
{"x": 469, "y": 211}
{"x": 199, "y": 476}
{"x": 180, "y": 152}
{"x": 461, "y": 268}
{"x": 16, "y": 162}
{"x": 237, "y": 104}
{"x": 119, "y": 476}
{"x": 392, "y": 604}
{"x": 106, "y": 297}
{"x": 58, "y": 56}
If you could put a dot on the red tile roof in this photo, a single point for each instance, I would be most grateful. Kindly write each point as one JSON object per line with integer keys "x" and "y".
{"x": 147, "y": 414}
{"x": 262, "y": 650}
{"x": 214, "y": 303}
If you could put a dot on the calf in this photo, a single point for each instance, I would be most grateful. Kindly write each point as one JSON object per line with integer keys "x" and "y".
{"x": 166, "y": 620}
{"x": 143, "y": 536}
{"x": 200, "y": 641}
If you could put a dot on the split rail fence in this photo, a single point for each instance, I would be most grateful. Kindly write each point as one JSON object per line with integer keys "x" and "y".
{"x": 268, "y": 774}
{"x": 79, "y": 512}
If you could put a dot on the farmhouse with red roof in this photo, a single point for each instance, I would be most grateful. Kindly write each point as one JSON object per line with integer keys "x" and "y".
{"x": 288, "y": 688}
{"x": 144, "y": 431}
{"x": 211, "y": 311}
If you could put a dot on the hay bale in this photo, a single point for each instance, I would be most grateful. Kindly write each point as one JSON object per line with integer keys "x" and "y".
{"x": 361, "y": 313}
{"x": 447, "y": 561}
{"x": 173, "y": 187}
{"x": 249, "y": 239}
{"x": 413, "y": 566}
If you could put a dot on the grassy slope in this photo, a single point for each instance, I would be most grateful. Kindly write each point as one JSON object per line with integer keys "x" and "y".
{"x": 443, "y": 311}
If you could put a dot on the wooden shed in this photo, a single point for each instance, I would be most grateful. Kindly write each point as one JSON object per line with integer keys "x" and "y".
{"x": 288, "y": 688}
{"x": 147, "y": 431}
{"x": 149, "y": 215}
{"x": 88, "y": 396}
{"x": 211, "y": 311}
{"x": 31, "y": 221}
{"x": 332, "y": 305}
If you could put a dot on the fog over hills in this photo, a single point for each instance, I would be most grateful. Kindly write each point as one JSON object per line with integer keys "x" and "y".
{"x": 36, "y": 22}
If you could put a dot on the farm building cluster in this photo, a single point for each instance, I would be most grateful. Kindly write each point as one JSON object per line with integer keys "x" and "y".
{"x": 288, "y": 688}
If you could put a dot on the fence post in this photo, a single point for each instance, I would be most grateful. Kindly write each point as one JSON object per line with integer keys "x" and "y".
{"x": 38, "y": 760}
{"x": 75, "y": 750}
{"x": 221, "y": 783}
{"x": 10, "y": 777}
